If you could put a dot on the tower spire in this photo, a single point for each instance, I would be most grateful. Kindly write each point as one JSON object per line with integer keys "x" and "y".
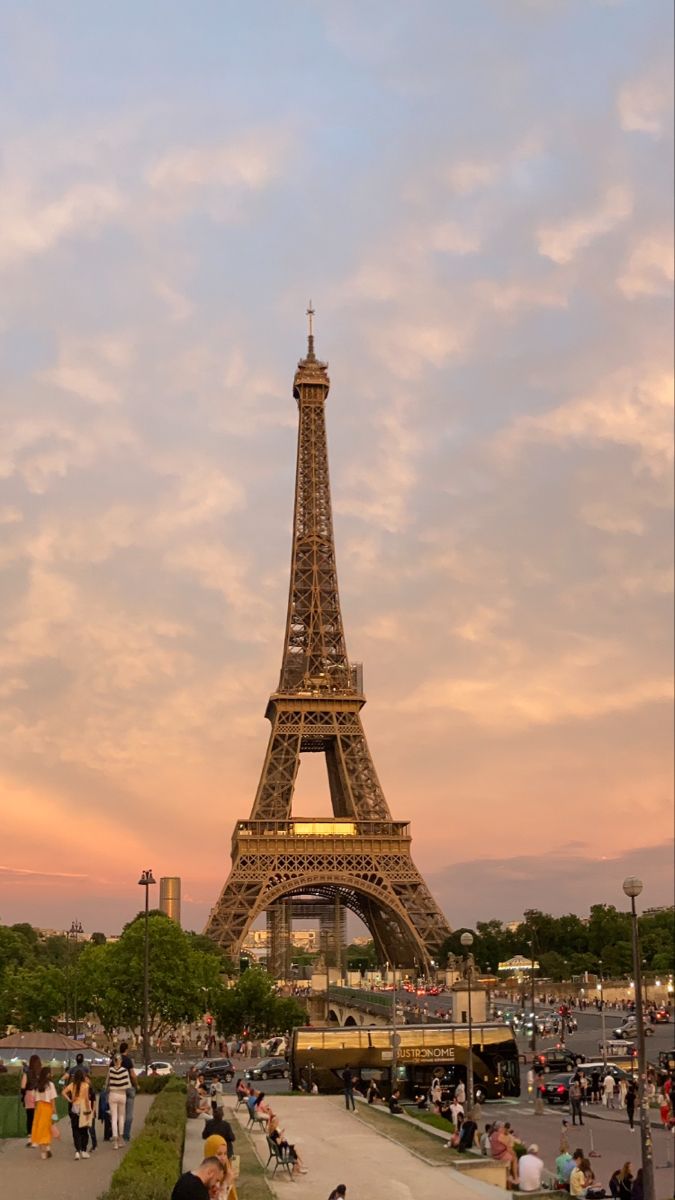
{"x": 311, "y": 357}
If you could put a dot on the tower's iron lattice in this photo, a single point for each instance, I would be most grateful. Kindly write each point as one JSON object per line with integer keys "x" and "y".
{"x": 359, "y": 859}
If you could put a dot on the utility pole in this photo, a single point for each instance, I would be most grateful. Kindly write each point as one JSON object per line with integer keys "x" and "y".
{"x": 146, "y": 880}
{"x": 602, "y": 1016}
{"x": 632, "y": 887}
{"x": 467, "y": 941}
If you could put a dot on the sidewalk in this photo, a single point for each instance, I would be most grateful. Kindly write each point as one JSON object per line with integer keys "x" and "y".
{"x": 23, "y": 1173}
{"x": 336, "y": 1147}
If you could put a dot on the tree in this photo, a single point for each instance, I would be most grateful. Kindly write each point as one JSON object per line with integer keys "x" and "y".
{"x": 253, "y": 1004}
{"x": 99, "y": 988}
{"x": 98, "y": 939}
{"x": 34, "y": 997}
{"x": 181, "y": 980}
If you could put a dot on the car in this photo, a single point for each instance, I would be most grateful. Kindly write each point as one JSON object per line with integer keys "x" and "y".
{"x": 556, "y": 1089}
{"x": 556, "y": 1058}
{"x": 269, "y": 1068}
{"x": 661, "y": 1016}
{"x": 628, "y": 1029}
{"x": 156, "y": 1068}
{"x": 215, "y": 1068}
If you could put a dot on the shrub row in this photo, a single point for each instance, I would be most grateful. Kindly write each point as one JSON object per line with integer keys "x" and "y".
{"x": 10, "y": 1083}
{"x": 153, "y": 1162}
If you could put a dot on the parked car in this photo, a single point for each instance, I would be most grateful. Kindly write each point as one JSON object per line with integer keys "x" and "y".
{"x": 556, "y": 1089}
{"x": 628, "y": 1029}
{"x": 156, "y": 1068}
{"x": 269, "y": 1068}
{"x": 215, "y": 1068}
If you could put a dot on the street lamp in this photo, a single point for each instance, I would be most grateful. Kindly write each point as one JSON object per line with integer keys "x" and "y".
{"x": 73, "y": 934}
{"x": 602, "y": 1015}
{"x": 632, "y": 888}
{"x": 467, "y": 940}
{"x": 146, "y": 881}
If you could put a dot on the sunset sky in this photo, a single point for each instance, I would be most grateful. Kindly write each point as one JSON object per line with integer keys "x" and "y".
{"x": 477, "y": 196}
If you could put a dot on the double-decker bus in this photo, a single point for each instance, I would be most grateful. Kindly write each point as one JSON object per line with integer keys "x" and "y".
{"x": 422, "y": 1052}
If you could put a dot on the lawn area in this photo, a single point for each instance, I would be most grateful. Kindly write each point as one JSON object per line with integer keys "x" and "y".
{"x": 13, "y": 1117}
{"x": 427, "y": 1145}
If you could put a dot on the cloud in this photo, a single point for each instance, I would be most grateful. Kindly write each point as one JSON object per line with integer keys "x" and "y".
{"x": 558, "y": 881}
{"x": 645, "y": 104}
{"x": 562, "y": 240}
{"x": 30, "y": 226}
{"x": 629, "y": 408}
{"x": 649, "y": 268}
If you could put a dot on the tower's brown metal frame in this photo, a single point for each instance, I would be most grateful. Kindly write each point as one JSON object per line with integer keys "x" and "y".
{"x": 361, "y": 856}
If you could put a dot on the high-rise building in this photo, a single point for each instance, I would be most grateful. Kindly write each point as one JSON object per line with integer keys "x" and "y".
{"x": 169, "y": 896}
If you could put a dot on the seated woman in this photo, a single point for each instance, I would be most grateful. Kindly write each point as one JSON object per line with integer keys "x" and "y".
{"x": 394, "y": 1106}
{"x": 468, "y": 1135}
{"x": 241, "y": 1089}
{"x": 501, "y": 1149}
{"x": 373, "y": 1093}
{"x": 278, "y": 1137}
{"x": 215, "y": 1146}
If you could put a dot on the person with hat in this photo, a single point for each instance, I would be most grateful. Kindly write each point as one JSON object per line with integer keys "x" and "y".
{"x": 530, "y": 1170}
{"x": 216, "y": 1146}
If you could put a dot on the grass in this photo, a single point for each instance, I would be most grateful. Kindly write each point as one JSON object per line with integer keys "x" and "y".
{"x": 417, "y": 1140}
{"x": 13, "y": 1116}
{"x": 252, "y": 1182}
{"x": 428, "y": 1118}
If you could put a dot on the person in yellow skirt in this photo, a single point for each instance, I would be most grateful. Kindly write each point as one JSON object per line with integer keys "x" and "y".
{"x": 45, "y": 1111}
{"x": 216, "y": 1146}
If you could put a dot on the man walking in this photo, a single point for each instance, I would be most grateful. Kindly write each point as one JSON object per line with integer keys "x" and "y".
{"x": 128, "y": 1062}
{"x": 348, "y": 1082}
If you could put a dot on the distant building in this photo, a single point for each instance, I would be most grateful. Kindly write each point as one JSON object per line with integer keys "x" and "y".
{"x": 169, "y": 897}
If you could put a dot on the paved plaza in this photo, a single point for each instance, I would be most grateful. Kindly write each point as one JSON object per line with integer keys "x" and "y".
{"x": 24, "y": 1174}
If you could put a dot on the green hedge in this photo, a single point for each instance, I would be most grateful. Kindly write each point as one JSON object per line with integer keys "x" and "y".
{"x": 10, "y": 1083}
{"x": 154, "y": 1160}
{"x": 13, "y": 1116}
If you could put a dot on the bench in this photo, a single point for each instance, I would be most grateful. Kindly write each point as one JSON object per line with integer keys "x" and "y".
{"x": 280, "y": 1157}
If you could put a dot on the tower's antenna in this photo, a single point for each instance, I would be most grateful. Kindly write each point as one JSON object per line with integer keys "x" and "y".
{"x": 310, "y": 332}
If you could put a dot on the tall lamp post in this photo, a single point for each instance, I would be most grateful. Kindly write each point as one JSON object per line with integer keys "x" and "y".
{"x": 72, "y": 935}
{"x": 602, "y": 1014}
{"x": 467, "y": 941}
{"x": 632, "y": 887}
{"x": 146, "y": 881}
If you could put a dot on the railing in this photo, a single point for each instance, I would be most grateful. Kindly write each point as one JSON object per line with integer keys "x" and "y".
{"x": 336, "y": 827}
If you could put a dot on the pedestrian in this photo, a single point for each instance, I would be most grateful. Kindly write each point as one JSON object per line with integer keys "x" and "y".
{"x": 45, "y": 1112}
{"x": 436, "y": 1092}
{"x": 79, "y": 1094}
{"x": 538, "y": 1084}
{"x": 608, "y": 1090}
{"x": 128, "y": 1064}
{"x": 631, "y": 1098}
{"x": 460, "y": 1094}
{"x": 623, "y": 1088}
{"x": 218, "y": 1125}
{"x": 595, "y": 1085}
{"x": 29, "y": 1082}
{"x": 575, "y": 1100}
{"x": 117, "y": 1084}
{"x": 339, "y": 1192}
{"x": 531, "y": 1170}
{"x": 348, "y": 1082}
{"x": 200, "y": 1183}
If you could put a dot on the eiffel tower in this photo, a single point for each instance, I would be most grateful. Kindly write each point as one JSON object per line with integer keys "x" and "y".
{"x": 359, "y": 859}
